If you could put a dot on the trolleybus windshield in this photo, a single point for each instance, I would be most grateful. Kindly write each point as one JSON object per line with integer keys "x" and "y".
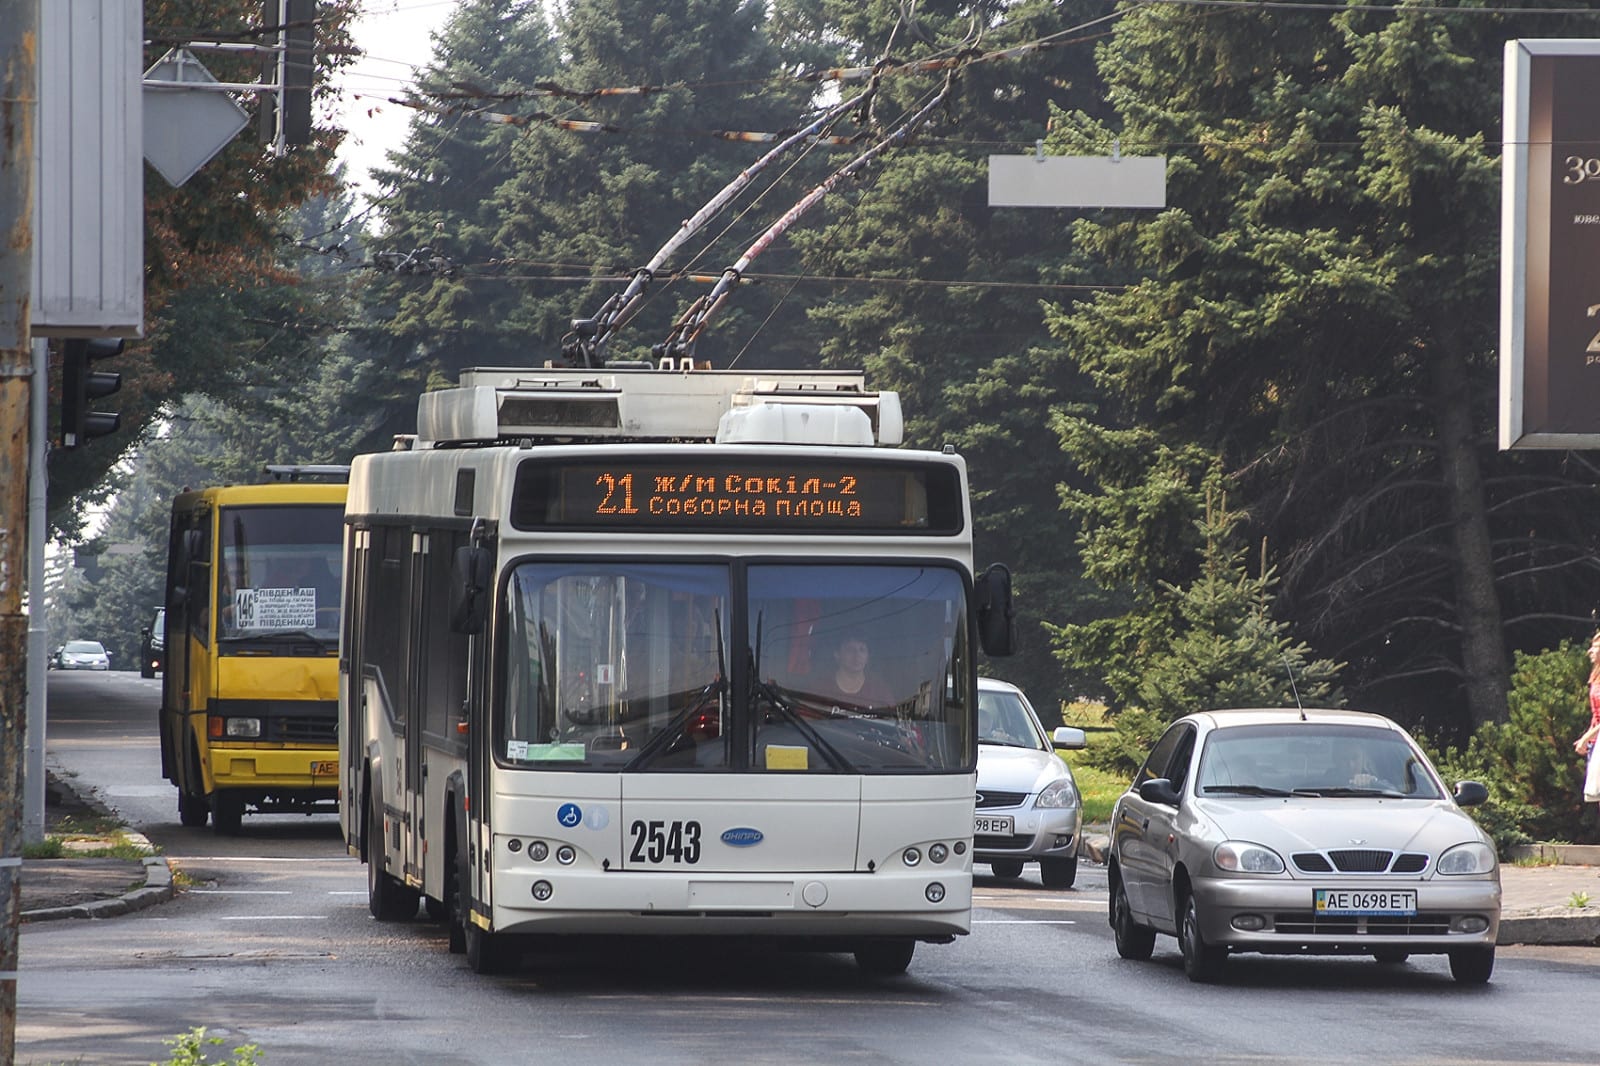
{"x": 279, "y": 576}
{"x": 822, "y": 668}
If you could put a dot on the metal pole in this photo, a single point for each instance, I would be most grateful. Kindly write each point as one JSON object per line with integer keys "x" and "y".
{"x": 19, "y": 106}
{"x": 38, "y": 618}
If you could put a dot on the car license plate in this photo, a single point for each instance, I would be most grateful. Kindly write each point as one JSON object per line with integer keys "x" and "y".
{"x": 1365, "y": 901}
{"x": 328, "y": 767}
{"x": 999, "y": 826}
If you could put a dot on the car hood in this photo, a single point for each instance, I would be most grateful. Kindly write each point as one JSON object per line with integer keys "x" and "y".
{"x": 1313, "y": 824}
{"x": 1017, "y": 769}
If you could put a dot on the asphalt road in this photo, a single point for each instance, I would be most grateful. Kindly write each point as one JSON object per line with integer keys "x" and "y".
{"x": 271, "y": 943}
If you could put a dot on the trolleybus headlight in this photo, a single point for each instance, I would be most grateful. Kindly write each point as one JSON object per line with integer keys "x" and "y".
{"x": 543, "y": 890}
{"x": 934, "y": 892}
{"x": 565, "y": 855}
{"x": 538, "y": 851}
{"x": 938, "y": 853}
{"x": 911, "y": 856}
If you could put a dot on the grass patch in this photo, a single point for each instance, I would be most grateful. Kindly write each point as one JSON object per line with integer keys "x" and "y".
{"x": 48, "y": 848}
{"x": 1534, "y": 860}
{"x": 1578, "y": 899}
{"x": 1099, "y": 789}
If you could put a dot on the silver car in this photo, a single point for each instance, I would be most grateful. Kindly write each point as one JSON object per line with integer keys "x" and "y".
{"x": 1028, "y": 805}
{"x": 1300, "y": 832}
{"x": 83, "y": 655}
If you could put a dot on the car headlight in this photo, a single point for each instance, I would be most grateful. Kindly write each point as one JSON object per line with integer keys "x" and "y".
{"x": 1474, "y": 858}
{"x": 1058, "y": 794}
{"x": 1241, "y": 856}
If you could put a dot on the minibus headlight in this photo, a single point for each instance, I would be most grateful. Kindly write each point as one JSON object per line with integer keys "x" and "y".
{"x": 242, "y": 728}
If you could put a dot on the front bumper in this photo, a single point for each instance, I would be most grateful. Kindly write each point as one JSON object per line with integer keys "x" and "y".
{"x": 1036, "y": 834}
{"x": 1447, "y": 911}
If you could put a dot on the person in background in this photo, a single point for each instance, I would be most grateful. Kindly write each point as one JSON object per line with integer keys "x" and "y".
{"x": 1585, "y": 744}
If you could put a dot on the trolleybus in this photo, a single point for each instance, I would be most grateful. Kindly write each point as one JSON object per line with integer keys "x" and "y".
{"x": 249, "y": 691}
{"x": 593, "y": 677}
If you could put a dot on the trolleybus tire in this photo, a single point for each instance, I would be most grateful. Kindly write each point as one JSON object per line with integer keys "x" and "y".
{"x": 387, "y": 899}
{"x": 193, "y": 810}
{"x": 437, "y": 912}
{"x": 888, "y": 957}
{"x": 227, "y": 813}
{"x": 488, "y": 953}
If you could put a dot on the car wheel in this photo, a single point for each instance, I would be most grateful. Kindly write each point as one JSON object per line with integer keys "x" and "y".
{"x": 1059, "y": 873}
{"x": 145, "y": 671}
{"x": 1201, "y": 962}
{"x": 1134, "y": 941}
{"x": 885, "y": 958}
{"x": 1010, "y": 869}
{"x": 387, "y": 899}
{"x": 1472, "y": 966}
{"x": 227, "y": 813}
{"x": 1391, "y": 957}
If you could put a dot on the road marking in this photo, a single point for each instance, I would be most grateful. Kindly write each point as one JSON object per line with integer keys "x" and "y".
{"x": 238, "y": 892}
{"x": 257, "y": 858}
{"x": 1023, "y": 921}
{"x": 347, "y": 892}
{"x": 275, "y": 918}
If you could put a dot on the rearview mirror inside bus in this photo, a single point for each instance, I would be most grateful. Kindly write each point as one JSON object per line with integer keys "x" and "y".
{"x": 996, "y": 621}
{"x": 469, "y": 606}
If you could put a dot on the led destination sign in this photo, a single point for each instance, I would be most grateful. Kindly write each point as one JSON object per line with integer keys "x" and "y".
{"x": 719, "y": 492}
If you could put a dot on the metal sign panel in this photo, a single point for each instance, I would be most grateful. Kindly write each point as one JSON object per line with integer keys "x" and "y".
{"x": 1077, "y": 181}
{"x": 88, "y": 264}
{"x": 184, "y": 128}
{"x": 1550, "y": 246}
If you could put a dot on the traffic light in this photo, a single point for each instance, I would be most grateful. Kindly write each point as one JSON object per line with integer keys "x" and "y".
{"x": 287, "y": 111}
{"x": 80, "y": 384}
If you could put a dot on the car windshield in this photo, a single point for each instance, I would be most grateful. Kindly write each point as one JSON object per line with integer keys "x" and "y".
{"x": 633, "y": 666}
{"x": 280, "y": 575}
{"x": 1313, "y": 759}
{"x": 1003, "y": 718}
{"x": 84, "y": 647}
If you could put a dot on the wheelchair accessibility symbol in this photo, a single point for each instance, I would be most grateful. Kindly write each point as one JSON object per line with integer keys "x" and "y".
{"x": 569, "y": 815}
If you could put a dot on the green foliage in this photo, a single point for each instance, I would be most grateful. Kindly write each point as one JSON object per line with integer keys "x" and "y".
{"x": 1121, "y": 752}
{"x": 189, "y": 1049}
{"x": 1534, "y": 778}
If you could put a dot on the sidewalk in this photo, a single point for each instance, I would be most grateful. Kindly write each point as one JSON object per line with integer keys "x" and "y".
{"x": 1539, "y": 904}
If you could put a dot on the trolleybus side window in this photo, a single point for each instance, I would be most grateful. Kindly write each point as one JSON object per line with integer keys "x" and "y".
{"x": 388, "y": 615}
{"x": 444, "y": 668}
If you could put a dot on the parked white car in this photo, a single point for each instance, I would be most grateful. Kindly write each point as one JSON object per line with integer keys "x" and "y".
{"x": 1028, "y": 804}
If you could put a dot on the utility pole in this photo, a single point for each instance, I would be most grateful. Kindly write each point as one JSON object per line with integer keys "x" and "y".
{"x": 19, "y": 105}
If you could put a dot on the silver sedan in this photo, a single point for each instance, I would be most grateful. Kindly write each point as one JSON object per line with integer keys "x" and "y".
{"x": 1293, "y": 831}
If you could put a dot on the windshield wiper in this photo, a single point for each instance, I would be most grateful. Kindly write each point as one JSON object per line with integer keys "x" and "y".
{"x": 1346, "y": 790}
{"x": 780, "y": 703}
{"x": 1249, "y": 790}
{"x": 668, "y": 736}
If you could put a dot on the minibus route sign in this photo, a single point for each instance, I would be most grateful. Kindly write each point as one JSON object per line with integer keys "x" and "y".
{"x": 716, "y": 492}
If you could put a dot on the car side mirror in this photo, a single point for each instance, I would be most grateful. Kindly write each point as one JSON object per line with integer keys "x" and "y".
{"x": 1069, "y": 736}
{"x": 1159, "y": 790}
{"x": 145, "y": 632}
{"x": 1470, "y": 793}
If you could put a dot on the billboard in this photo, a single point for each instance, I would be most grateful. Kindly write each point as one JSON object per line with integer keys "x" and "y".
{"x": 1550, "y": 246}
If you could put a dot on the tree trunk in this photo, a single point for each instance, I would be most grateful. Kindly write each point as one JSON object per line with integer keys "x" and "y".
{"x": 1485, "y": 670}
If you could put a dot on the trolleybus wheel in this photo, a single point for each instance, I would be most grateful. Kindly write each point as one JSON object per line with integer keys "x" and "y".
{"x": 227, "y": 813}
{"x": 387, "y": 899}
{"x": 885, "y": 958}
{"x": 487, "y": 952}
{"x": 192, "y": 809}
{"x": 437, "y": 911}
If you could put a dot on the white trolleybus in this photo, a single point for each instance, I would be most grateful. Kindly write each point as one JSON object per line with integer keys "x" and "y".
{"x": 679, "y": 652}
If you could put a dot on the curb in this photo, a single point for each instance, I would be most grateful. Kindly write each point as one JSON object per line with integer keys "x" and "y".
{"x": 157, "y": 889}
{"x": 1553, "y": 929}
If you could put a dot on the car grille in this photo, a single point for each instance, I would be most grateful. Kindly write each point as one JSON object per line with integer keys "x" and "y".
{"x": 1306, "y": 923}
{"x": 999, "y": 843}
{"x": 990, "y": 798}
{"x": 1359, "y": 862}
{"x": 307, "y": 729}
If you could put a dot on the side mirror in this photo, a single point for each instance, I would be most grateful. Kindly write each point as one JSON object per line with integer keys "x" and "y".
{"x": 1470, "y": 793}
{"x": 1070, "y": 736}
{"x": 996, "y": 616}
{"x": 1159, "y": 790}
{"x": 469, "y": 595}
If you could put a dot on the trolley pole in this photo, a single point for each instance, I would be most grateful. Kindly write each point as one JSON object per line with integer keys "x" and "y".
{"x": 19, "y": 59}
